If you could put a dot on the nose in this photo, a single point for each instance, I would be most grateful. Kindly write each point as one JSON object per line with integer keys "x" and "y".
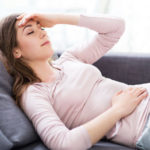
{"x": 42, "y": 34}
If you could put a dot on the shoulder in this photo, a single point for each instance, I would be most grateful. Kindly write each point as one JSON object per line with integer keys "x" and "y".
{"x": 32, "y": 88}
{"x": 35, "y": 87}
{"x": 33, "y": 92}
{"x": 68, "y": 55}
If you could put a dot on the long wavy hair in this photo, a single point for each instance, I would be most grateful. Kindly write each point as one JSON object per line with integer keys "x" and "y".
{"x": 22, "y": 73}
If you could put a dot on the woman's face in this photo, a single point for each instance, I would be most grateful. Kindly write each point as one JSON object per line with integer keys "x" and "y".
{"x": 33, "y": 42}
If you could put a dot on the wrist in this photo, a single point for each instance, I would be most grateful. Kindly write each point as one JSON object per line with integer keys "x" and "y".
{"x": 117, "y": 111}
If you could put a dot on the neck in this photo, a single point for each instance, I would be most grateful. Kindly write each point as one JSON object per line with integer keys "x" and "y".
{"x": 44, "y": 71}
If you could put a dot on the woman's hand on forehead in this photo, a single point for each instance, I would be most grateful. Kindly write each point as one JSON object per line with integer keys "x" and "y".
{"x": 45, "y": 20}
{"x": 24, "y": 18}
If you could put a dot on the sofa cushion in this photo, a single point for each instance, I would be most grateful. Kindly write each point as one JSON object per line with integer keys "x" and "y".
{"x": 33, "y": 146}
{"x": 14, "y": 125}
{"x": 109, "y": 146}
{"x": 5, "y": 143}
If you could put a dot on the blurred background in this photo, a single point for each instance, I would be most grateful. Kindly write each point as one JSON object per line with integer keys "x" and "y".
{"x": 136, "y": 14}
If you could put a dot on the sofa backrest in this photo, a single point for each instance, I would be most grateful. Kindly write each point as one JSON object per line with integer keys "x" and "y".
{"x": 15, "y": 128}
{"x": 130, "y": 68}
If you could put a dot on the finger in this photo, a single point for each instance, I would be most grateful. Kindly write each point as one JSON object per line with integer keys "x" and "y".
{"x": 136, "y": 89}
{"x": 143, "y": 90}
{"x": 20, "y": 16}
{"x": 25, "y": 19}
{"x": 140, "y": 90}
{"x": 142, "y": 96}
{"x": 119, "y": 92}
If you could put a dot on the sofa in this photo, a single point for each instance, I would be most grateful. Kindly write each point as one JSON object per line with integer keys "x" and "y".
{"x": 17, "y": 132}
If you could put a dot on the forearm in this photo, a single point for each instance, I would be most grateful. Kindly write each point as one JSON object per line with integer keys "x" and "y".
{"x": 71, "y": 19}
{"x": 99, "y": 126}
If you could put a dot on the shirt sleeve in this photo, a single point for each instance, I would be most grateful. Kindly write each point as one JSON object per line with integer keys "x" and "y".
{"x": 109, "y": 30}
{"x": 52, "y": 131}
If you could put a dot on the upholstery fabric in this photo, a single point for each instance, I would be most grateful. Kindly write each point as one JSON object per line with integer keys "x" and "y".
{"x": 15, "y": 128}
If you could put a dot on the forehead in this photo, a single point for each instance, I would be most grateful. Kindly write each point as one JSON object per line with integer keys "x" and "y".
{"x": 31, "y": 22}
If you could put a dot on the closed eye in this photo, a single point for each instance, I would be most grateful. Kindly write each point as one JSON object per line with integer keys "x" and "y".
{"x": 30, "y": 32}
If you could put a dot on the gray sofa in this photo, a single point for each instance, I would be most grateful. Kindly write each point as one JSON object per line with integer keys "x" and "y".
{"x": 17, "y": 132}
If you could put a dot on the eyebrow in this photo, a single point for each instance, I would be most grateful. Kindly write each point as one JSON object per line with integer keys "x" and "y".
{"x": 29, "y": 25}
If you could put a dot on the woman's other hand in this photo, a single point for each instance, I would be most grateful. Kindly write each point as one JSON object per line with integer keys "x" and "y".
{"x": 45, "y": 20}
{"x": 125, "y": 101}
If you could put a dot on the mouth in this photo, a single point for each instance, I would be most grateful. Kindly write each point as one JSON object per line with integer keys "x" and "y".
{"x": 45, "y": 43}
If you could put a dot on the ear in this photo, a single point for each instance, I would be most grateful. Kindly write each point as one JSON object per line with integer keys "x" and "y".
{"x": 17, "y": 52}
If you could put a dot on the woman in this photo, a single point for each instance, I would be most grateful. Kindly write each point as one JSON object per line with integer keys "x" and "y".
{"x": 70, "y": 103}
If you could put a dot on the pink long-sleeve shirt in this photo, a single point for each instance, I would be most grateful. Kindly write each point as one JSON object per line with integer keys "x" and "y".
{"x": 80, "y": 92}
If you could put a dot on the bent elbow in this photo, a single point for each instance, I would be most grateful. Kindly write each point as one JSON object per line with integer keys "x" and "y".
{"x": 121, "y": 27}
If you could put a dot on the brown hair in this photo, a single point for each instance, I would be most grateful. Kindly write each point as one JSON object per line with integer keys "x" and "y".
{"x": 22, "y": 73}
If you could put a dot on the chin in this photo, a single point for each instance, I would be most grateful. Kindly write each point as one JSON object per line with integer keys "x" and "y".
{"x": 50, "y": 53}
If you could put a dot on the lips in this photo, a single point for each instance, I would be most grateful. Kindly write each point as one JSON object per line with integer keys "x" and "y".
{"x": 45, "y": 43}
